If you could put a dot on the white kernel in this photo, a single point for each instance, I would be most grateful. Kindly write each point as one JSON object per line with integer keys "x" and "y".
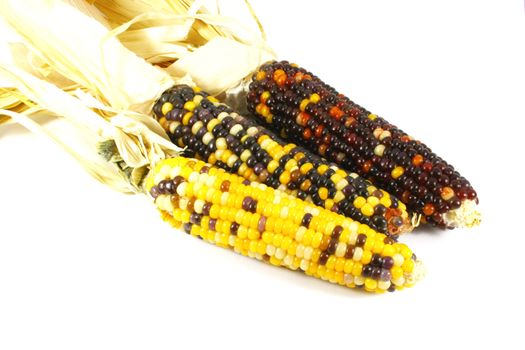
{"x": 288, "y": 260}
{"x": 270, "y": 250}
{"x": 198, "y": 205}
{"x": 341, "y": 250}
{"x": 280, "y": 253}
{"x": 174, "y": 172}
{"x": 359, "y": 280}
{"x": 252, "y": 131}
{"x": 315, "y": 211}
{"x": 384, "y": 135}
{"x": 231, "y": 240}
{"x": 258, "y": 256}
{"x": 353, "y": 227}
{"x": 231, "y": 160}
{"x": 158, "y": 178}
{"x": 181, "y": 189}
{"x": 384, "y": 285}
{"x": 398, "y": 259}
{"x": 352, "y": 238}
{"x": 173, "y": 126}
{"x": 348, "y": 279}
{"x": 210, "y": 181}
{"x": 358, "y": 254}
{"x": 245, "y": 155}
{"x": 266, "y": 143}
{"x": 341, "y": 184}
{"x": 399, "y": 282}
{"x": 206, "y": 139}
{"x": 299, "y": 252}
{"x": 194, "y": 177}
{"x": 308, "y": 251}
{"x": 219, "y": 153}
{"x": 251, "y": 254}
{"x": 235, "y": 129}
{"x": 305, "y": 264}
{"x": 222, "y": 115}
{"x": 183, "y": 203}
{"x": 196, "y": 127}
{"x": 378, "y": 151}
{"x": 221, "y": 143}
{"x": 299, "y": 234}
{"x": 224, "y": 198}
{"x": 284, "y": 212}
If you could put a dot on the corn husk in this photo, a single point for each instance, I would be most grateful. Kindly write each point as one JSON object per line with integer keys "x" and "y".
{"x": 96, "y": 90}
{"x": 199, "y": 42}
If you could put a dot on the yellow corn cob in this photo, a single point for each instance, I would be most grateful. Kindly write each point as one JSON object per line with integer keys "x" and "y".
{"x": 267, "y": 224}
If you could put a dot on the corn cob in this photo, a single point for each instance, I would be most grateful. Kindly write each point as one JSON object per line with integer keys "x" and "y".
{"x": 294, "y": 102}
{"x": 267, "y": 224}
{"x": 217, "y": 135}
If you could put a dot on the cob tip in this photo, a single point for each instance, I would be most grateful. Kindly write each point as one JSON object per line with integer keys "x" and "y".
{"x": 417, "y": 274}
{"x": 467, "y": 215}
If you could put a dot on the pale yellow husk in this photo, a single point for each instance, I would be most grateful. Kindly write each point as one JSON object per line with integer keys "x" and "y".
{"x": 88, "y": 82}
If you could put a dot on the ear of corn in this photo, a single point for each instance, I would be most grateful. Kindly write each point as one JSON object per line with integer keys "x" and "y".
{"x": 294, "y": 102}
{"x": 270, "y": 225}
{"x": 215, "y": 134}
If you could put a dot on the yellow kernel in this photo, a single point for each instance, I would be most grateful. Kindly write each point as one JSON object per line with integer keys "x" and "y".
{"x": 190, "y": 106}
{"x": 372, "y": 116}
{"x": 314, "y": 98}
{"x": 367, "y": 257}
{"x": 370, "y": 284}
{"x": 322, "y": 168}
{"x": 272, "y": 165}
{"x": 389, "y": 250}
{"x": 359, "y": 202}
{"x": 323, "y": 193}
{"x": 166, "y": 107}
{"x": 316, "y": 239}
{"x": 260, "y": 75}
{"x": 264, "y": 96}
{"x": 284, "y": 178}
{"x": 386, "y": 201}
{"x": 367, "y": 209}
{"x": 330, "y": 263}
{"x": 397, "y": 272}
{"x": 349, "y": 265}
{"x": 408, "y": 265}
{"x": 373, "y": 201}
{"x": 379, "y": 245}
{"x": 397, "y": 172}
{"x": 357, "y": 269}
{"x": 303, "y": 104}
{"x": 339, "y": 264}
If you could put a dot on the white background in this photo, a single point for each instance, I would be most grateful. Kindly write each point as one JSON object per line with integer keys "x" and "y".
{"x": 83, "y": 267}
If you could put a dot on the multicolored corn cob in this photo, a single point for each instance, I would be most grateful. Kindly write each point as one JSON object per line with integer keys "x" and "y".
{"x": 214, "y": 133}
{"x": 295, "y": 103}
{"x": 267, "y": 224}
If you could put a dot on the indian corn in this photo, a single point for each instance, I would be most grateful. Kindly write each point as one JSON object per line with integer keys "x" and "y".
{"x": 295, "y": 103}
{"x": 267, "y": 224}
{"x": 214, "y": 133}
